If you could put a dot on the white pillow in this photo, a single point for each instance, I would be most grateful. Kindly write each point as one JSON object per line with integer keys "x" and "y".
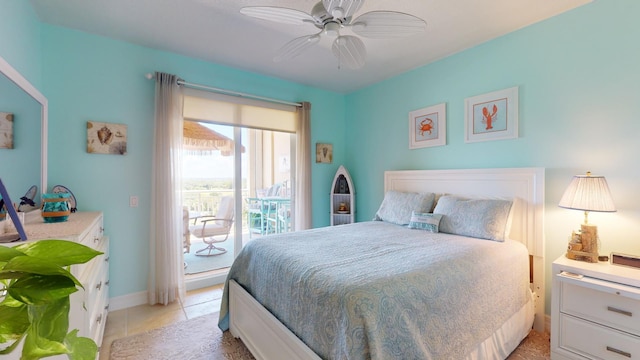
{"x": 480, "y": 218}
{"x": 397, "y": 206}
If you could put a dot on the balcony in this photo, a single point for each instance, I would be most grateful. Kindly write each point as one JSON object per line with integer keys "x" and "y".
{"x": 260, "y": 216}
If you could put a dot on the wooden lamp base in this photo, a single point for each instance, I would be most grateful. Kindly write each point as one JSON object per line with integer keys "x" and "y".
{"x": 584, "y": 246}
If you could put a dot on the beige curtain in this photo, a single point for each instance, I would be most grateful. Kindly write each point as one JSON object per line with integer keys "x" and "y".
{"x": 166, "y": 272}
{"x": 302, "y": 190}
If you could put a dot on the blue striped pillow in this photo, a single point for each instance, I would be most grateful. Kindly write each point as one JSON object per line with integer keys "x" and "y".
{"x": 425, "y": 221}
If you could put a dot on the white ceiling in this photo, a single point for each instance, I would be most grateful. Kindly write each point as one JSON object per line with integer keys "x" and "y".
{"x": 214, "y": 30}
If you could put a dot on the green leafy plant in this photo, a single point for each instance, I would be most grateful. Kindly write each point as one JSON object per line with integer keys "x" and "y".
{"x": 35, "y": 285}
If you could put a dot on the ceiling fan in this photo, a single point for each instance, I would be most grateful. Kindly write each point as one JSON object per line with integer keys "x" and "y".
{"x": 332, "y": 16}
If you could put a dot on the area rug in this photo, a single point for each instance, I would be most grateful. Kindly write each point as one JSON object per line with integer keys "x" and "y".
{"x": 194, "y": 339}
{"x": 199, "y": 339}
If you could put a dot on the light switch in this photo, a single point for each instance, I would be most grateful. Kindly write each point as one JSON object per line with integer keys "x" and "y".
{"x": 133, "y": 201}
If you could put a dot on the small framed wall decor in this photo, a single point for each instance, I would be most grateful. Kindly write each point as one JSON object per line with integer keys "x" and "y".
{"x": 106, "y": 138}
{"x": 492, "y": 116}
{"x": 6, "y": 130}
{"x": 428, "y": 127}
{"x": 324, "y": 153}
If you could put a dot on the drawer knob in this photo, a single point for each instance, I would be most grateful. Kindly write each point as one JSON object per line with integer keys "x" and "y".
{"x": 99, "y": 286}
{"x": 106, "y": 259}
{"x": 619, "y": 311}
{"x": 619, "y": 352}
{"x": 99, "y": 319}
{"x": 107, "y": 283}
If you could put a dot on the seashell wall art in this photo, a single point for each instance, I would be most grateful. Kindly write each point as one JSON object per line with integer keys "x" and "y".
{"x": 6, "y": 130}
{"x": 106, "y": 138}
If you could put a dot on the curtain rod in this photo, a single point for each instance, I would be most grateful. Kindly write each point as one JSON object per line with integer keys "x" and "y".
{"x": 230, "y": 92}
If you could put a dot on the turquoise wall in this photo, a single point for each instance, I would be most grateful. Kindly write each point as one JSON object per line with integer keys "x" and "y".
{"x": 20, "y": 46}
{"x": 578, "y": 81}
{"x": 579, "y": 85}
{"x": 92, "y": 78}
{"x": 20, "y": 43}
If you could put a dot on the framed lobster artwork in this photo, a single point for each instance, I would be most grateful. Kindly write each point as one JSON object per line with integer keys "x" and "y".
{"x": 428, "y": 127}
{"x": 492, "y": 116}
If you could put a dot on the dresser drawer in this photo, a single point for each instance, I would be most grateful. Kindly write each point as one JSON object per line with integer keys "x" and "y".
{"x": 596, "y": 342}
{"x": 92, "y": 235}
{"x": 97, "y": 314}
{"x": 610, "y": 308}
{"x": 97, "y": 292}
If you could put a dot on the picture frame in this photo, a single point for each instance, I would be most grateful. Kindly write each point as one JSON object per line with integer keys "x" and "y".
{"x": 324, "y": 153}
{"x": 6, "y": 130}
{"x": 428, "y": 127}
{"x": 492, "y": 116}
{"x": 106, "y": 138}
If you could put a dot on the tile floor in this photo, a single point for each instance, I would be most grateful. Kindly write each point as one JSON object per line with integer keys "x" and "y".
{"x": 126, "y": 322}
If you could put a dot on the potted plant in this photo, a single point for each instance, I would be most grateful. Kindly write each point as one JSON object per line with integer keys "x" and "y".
{"x": 35, "y": 285}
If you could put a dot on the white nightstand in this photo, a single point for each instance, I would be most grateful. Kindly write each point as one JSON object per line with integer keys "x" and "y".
{"x": 595, "y": 311}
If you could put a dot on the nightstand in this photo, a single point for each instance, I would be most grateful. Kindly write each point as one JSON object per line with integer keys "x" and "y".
{"x": 595, "y": 311}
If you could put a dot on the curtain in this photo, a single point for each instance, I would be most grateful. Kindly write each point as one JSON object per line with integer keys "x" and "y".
{"x": 166, "y": 271}
{"x": 302, "y": 204}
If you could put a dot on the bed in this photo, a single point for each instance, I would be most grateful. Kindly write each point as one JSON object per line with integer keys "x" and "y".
{"x": 381, "y": 290}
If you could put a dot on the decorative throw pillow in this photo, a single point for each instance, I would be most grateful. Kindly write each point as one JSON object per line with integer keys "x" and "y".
{"x": 479, "y": 218}
{"x": 397, "y": 206}
{"x": 425, "y": 221}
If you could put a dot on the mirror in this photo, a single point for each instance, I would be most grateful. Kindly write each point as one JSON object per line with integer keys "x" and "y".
{"x": 25, "y": 164}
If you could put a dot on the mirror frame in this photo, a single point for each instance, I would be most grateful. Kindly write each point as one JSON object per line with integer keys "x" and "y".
{"x": 24, "y": 84}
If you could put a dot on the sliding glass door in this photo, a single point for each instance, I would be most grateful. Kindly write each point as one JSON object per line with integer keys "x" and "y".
{"x": 254, "y": 167}
{"x": 250, "y": 154}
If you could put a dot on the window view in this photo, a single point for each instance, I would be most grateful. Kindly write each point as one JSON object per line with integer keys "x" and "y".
{"x": 210, "y": 188}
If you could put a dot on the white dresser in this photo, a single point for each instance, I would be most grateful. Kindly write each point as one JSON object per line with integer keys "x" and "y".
{"x": 595, "y": 311}
{"x": 89, "y": 307}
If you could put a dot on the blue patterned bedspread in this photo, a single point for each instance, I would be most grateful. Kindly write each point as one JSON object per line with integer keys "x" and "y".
{"x": 382, "y": 291}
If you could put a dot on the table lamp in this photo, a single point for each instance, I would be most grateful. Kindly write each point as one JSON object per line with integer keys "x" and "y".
{"x": 586, "y": 193}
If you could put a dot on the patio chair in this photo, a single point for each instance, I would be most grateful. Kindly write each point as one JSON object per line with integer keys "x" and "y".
{"x": 214, "y": 229}
{"x": 262, "y": 210}
{"x": 186, "y": 234}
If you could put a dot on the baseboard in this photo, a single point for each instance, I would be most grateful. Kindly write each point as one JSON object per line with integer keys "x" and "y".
{"x": 127, "y": 301}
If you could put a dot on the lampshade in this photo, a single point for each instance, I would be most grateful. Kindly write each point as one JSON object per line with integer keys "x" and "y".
{"x": 588, "y": 193}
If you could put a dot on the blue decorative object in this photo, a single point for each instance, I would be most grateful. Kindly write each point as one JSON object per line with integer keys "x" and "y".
{"x": 72, "y": 199}
{"x": 55, "y": 207}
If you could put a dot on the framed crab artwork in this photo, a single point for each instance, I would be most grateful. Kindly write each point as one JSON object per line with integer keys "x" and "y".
{"x": 106, "y": 138}
{"x": 428, "y": 127}
{"x": 492, "y": 116}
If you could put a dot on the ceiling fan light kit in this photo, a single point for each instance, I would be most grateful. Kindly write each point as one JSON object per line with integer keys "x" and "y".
{"x": 332, "y": 29}
{"x": 331, "y": 16}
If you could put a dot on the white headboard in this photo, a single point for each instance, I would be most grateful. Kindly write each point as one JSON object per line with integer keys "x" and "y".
{"x": 524, "y": 185}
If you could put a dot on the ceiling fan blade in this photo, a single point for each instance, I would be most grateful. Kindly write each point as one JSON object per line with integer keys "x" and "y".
{"x": 277, "y": 14}
{"x": 296, "y": 47}
{"x": 387, "y": 24}
{"x": 342, "y": 8}
{"x": 350, "y": 51}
